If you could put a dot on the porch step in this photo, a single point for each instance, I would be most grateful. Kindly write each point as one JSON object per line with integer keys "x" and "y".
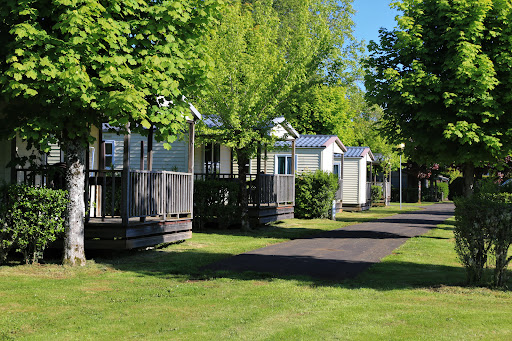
{"x": 115, "y": 236}
{"x": 265, "y": 215}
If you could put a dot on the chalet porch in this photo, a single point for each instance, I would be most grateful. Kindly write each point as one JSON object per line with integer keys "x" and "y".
{"x": 271, "y": 197}
{"x": 137, "y": 208}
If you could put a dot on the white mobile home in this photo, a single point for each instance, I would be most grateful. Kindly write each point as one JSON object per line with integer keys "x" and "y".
{"x": 357, "y": 178}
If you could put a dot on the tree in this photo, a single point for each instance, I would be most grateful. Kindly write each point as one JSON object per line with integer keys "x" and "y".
{"x": 264, "y": 51}
{"x": 68, "y": 65}
{"x": 322, "y": 110}
{"x": 444, "y": 80}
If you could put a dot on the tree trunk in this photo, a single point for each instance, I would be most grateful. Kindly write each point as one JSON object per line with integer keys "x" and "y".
{"x": 75, "y": 179}
{"x": 243, "y": 196}
{"x": 468, "y": 171}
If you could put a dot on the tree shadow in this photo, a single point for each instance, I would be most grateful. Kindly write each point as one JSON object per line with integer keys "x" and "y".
{"x": 194, "y": 265}
{"x": 268, "y": 231}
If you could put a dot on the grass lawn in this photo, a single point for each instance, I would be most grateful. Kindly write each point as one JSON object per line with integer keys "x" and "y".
{"x": 162, "y": 294}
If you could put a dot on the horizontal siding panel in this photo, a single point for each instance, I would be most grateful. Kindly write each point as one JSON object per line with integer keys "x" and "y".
{"x": 350, "y": 182}
{"x": 174, "y": 159}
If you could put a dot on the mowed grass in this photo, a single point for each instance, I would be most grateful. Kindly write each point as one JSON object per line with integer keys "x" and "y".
{"x": 417, "y": 293}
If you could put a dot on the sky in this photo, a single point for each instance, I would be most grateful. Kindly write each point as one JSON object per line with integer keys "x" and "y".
{"x": 370, "y": 16}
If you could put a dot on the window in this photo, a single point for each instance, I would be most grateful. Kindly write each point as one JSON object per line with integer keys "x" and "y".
{"x": 283, "y": 164}
{"x": 337, "y": 169}
{"x": 212, "y": 158}
{"x": 110, "y": 147}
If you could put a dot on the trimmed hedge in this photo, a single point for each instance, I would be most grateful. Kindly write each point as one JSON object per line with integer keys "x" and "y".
{"x": 314, "y": 193}
{"x": 216, "y": 202}
{"x": 30, "y": 219}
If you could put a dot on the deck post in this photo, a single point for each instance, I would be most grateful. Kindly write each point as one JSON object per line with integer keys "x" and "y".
{"x": 125, "y": 195}
{"x": 14, "y": 175}
{"x": 265, "y": 160}
{"x": 150, "y": 149}
{"x": 141, "y": 155}
{"x": 258, "y": 176}
{"x": 293, "y": 170}
{"x": 191, "y": 138}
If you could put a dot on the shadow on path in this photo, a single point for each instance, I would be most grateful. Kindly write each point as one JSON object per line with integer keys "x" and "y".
{"x": 339, "y": 254}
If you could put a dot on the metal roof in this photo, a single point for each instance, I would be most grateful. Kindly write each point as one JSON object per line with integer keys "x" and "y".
{"x": 359, "y": 152}
{"x": 313, "y": 141}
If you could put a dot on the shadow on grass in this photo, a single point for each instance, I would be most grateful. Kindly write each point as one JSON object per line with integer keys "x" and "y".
{"x": 322, "y": 269}
{"x": 270, "y": 231}
{"x": 193, "y": 265}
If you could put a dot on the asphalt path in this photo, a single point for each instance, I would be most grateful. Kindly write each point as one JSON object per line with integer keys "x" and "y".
{"x": 342, "y": 253}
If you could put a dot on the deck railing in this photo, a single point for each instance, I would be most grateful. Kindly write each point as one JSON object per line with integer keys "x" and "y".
{"x": 368, "y": 192}
{"x": 386, "y": 192}
{"x": 148, "y": 193}
{"x": 160, "y": 193}
{"x": 265, "y": 189}
{"x": 44, "y": 176}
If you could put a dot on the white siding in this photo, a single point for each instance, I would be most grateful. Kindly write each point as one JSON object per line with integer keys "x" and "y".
{"x": 328, "y": 158}
{"x": 308, "y": 159}
{"x": 362, "y": 180}
{"x": 225, "y": 159}
{"x": 351, "y": 178}
{"x": 175, "y": 159}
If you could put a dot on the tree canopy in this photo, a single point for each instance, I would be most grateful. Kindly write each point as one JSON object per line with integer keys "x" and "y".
{"x": 263, "y": 52}
{"x": 444, "y": 80}
{"x": 66, "y": 65}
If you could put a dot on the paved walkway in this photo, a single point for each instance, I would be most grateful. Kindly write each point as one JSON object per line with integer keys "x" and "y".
{"x": 342, "y": 253}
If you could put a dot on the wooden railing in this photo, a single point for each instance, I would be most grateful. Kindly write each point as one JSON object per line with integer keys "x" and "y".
{"x": 265, "y": 189}
{"x": 368, "y": 192}
{"x": 44, "y": 176}
{"x": 339, "y": 192}
{"x": 160, "y": 193}
{"x": 148, "y": 193}
{"x": 386, "y": 192}
{"x": 285, "y": 188}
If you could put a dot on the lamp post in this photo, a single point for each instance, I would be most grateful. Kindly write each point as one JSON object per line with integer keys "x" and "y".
{"x": 401, "y": 146}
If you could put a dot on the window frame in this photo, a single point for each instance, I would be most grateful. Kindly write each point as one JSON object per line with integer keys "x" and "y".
{"x": 287, "y": 170}
{"x": 113, "y": 154}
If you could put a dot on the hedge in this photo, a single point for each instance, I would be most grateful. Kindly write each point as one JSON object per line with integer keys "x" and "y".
{"x": 30, "y": 219}
{"x": 314, "y": 193}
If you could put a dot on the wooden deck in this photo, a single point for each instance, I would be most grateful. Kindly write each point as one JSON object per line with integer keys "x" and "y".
{"x": 111, "y": 234}
{"x": 136, "y": 209}
{"x": 265, "y": 214}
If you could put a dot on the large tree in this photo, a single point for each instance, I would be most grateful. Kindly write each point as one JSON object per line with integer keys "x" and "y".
{"x": 444, "y": 80}
{"x": 66, "y": 65}
{"x": 264, "y": 51}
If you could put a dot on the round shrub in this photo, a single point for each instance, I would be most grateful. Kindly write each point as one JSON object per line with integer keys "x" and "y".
{"x": 30, "y": 219}
{"x": 376, "y": 193}
{"x": 314, "y": 193}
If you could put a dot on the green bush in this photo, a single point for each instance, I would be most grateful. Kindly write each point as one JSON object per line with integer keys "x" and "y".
{"x": 314, "y": 193}
{"x": 483, "y": 231}
{"x": 216, "y": 201}
{"x": 30, "y": 218}
{"x": 376, "y": 193}
{"x": 444, "y": 188}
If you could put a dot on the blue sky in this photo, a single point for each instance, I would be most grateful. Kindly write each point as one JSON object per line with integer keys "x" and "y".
{"x": 370, "y": 16}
